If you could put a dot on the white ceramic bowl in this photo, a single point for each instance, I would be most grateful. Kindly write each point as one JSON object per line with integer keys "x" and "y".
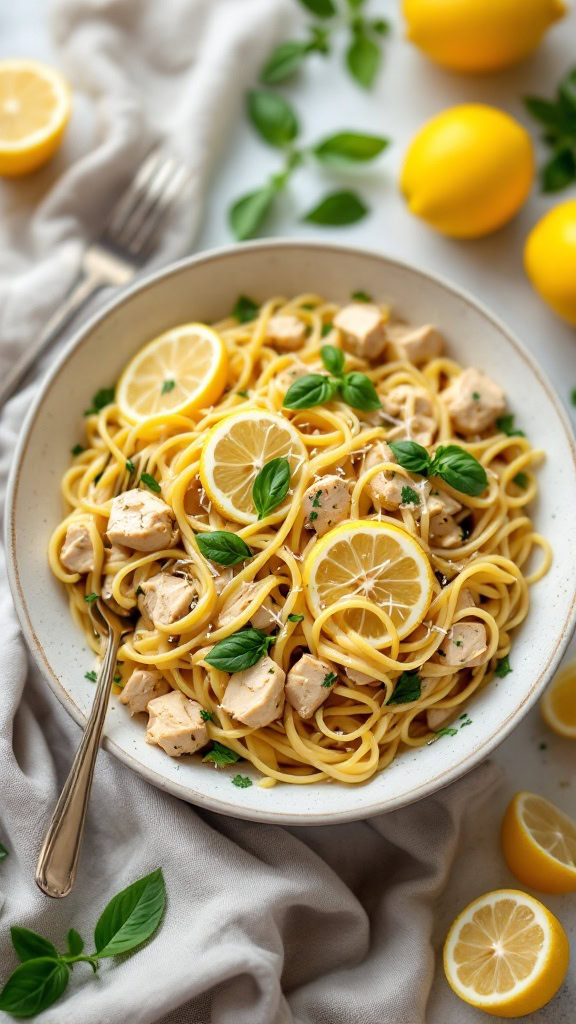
{"x": 205, "y": 288}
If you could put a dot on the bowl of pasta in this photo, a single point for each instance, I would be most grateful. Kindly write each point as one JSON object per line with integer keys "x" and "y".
{"x": 332, "y": 495}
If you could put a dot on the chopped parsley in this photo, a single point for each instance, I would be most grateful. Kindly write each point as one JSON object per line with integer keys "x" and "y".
{"x": 100, "y": 400}
{"x": 316, "y": 502}
{"x": 476, "y": 396}
{"x": 467, "y": 722}
{"x": 329, "y": 679}
{"x": 313, "y": 516}
{"x": 91, "y": 676}
{"x": 242, "y": 781}
{"x": 457, "y": 643}
{"x": 243, "y": 394}
{"x": 90, "y": 598}
{"x": 206, "y": 716}
{"x": 295, "y": 618}
{"x": 77, "y": 449}
{"x": 129, "y": 466}
{"x": 408, "y": 688}
{"x": 445, "y": 732}
{"x": 361, "y": 296}
{"x": 521, "y": 480}
{"x": 503, "y": 667}
{"x": 150, "y": 482}
{"x": 326, "y": 328}
{"x": 117, "y": 680}
{"x": 220, "y": 754}
{"x": 506, "y": 425}
{"x": 167, "y": 385}
{"x": 245, "y": 309}
{"x": 410, "y": 497}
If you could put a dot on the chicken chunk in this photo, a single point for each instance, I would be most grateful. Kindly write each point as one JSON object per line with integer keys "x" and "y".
{"x": 224, "y": 576}
{"x": 117, "y": 554}
{"x": 326, "y": 503}
{"x": 360, "y": 678}
{"x": 385, "y": 487}
{"x": 437, "y": 718}
{"x": 256, "y": 695}
{"x": 308, "y": 684}
{"x": 407, "y": 401}
{"x": 143, "y": 686}
{"x": 464, "y": 646}
{"x": 293, "y": 372}
{"x": 439, "y": 502}
{"x": 474, "y": 401}
{"x": 445, "y": 531}
{"x": 142, "y": 521}
{"x": 415, "y": 344}
{"x": 265, "y": 616}
{"x": 363, "y": 327}
{"x": 286, "y": 331}
{"x": 77, "y": 552}
{"x": 175, "y": 724}
{"x": 166, "y": 598}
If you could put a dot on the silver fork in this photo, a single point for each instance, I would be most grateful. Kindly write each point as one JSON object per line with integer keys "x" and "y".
{"x": 126, "y": 242}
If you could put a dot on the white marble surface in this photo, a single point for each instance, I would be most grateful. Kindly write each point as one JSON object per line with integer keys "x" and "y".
{"x": 409, "y": 90}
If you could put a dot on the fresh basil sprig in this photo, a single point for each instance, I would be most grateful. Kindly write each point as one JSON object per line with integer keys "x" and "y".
{"x": 271, "y": 486}
{"x": 288, "y": 57}
{"x": 239, "y": 651}
{"x": 356, "y": 389}
{"x": 337, "y": 209}
{"x": 220, "y": 755}
{"x": 223, "y": 547}
{"x": 310, "y": 390}
{"x": 558, "y": 118}
{"x": 245, "y": 309}
{"x": 346, "y": 146}
{"x": 130, "y": 919}
{"x": 408, "y": 688}
{"x": 453, "y": 464}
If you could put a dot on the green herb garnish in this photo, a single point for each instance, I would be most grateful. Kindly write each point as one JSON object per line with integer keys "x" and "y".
{"x": 129, "y": 466}
{"x": 206, "y": 716}
{"x": 521, "y": 480}
{"x": 167, "y": 385}
{"x": 295, "y": 618}
{"x": 242, "y": 781}
{"x": 558, "y": 118}
{"x": 221, "y": 755}
{"x": 445, "y": 732}
{"x": 77, "y": 449}
{"x": 100, "y": 400}
{"x": 408, "y": 688}
{"x": 245, "y": 309}
{"x": 362, "y": 296}
{"x": 271, "y": 486}
{"x": 329, "y": 679}
{"x": 239, "y": 651}
{"x": 327, "y": 328}
{"x": 90, "y": 598}
{"x": 506, "y": 425}
{"x": 356, "y": 389}
{"x": 223, "y": 547}
{"x": 91, "y": 676}
{"x": 503, "y": 667}
{"x": 151, "y": 482}
{"x": 453, "y": 464}
{"x": 410, "y": 497}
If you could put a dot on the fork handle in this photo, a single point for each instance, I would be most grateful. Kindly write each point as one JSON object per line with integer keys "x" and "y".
{"x": 58, "y": 859}
{"x": 86, "y": 287}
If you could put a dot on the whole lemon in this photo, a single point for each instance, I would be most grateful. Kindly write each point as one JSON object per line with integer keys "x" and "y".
{"x": 479, "y": 35}
{"x": 468, "y": 170}
{"x": 550, "y": 259}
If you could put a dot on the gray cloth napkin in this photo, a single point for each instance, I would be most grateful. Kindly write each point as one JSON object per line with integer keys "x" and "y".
{"x": 264, "y": 925}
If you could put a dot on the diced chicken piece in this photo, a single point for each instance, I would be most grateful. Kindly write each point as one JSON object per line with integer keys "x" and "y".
{"x": 77, "y": 552}
{"x": 293, "y": 372}
{"x": 265, "y": 616}
{"x": 465, "y": 645}
{"x": 224, "y": 576}
{"x": 286, "y": 331}
{"x": 326, "y": 503}
{"x": 175, "y": 724}
{"x": 166, "y": 598}
{"x": 474, "y": 401}
{"x": 408, "y": 401}
{"x": 142, "y": 521}
{"x": 360, "y": 678}
{"x": 117, "y": 554}
{"x": 385, "y": 487}
{"x": 465, "y": 600}
{"x": 255, "y": 696}
{"x": 438, "y": 718}
{"x": 421, "y": 429}
{"x": 445, "y": 531}
{"x": 193, "y": 498}
{"x": 363, "y": 327}
{"x": 415, "y": 344}
{"x": 143, "y": 686}
{"x": 305, "y": 689}
{"x": 440, "y": 502}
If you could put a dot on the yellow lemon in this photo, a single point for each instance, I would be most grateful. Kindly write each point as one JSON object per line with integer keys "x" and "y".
{"x": 479, "y": 35}
{"x": 539, "y": 844}
{"x": 468, "y": 170}
{"x": 34, "y": 111}
{"x": 550, "y": 259}
{"x": 558, "y": 705}
{"x": 506, "y": 954}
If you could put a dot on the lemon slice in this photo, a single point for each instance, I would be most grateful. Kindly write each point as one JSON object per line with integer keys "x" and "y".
{"x": 34, "y": 111}
{"x": 506, "y": 954}
{"x": 235, "y": 451}
{"x": 558, "y": 705}
{"x": 181, "y": 370}
{"x": 539, "y": 844}
{"x": 371, "y": 560}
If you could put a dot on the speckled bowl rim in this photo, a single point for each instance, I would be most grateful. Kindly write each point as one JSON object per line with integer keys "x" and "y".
{"x": 188, "y": 793}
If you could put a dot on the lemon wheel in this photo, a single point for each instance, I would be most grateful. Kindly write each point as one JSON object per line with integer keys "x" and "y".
{"x": 539, "y": 844}
{"x": 235, "y": 451}
{"x": 506, "y": 954}
{"x": 372, "y": 560}
{"x": 34, "y": 111}
{"x": 181, "y": 370}
{"x": 558, "y": 705}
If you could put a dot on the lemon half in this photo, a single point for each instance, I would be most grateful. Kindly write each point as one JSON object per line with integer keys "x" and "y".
{"x": 539, "y": 844}
{"x": 34, "y": 111}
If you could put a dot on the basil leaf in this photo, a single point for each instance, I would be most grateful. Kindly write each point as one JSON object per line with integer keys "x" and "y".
{"x": 220, "y": 754}
{"x": 559, "y": 172}
{"x": 345, "y": 146}
{"x": 151, "y": 482}
{"x": 333, "y": 359}
{"x": 459, "y": 469}
{"x": 75, "y": 943}
{"x": 206, "y": 716}
{"x": 245, "y": 309}
{"x": 321, "y": 8}
{"x": 295, "y": 618}
{"x": 312, "y": 389}
{"x": 503, "y": 667}
{"x": 242, "y": 781}
{"x": 239, "y": 651}
{"x": 77, "y": 449}
{"x": 34, "y": 986}
{"x": 271, "y": 486}
{"x": 3, "y": 853}
{"x": 411, "y": 456}
{"x": 247, "y": 213}
{"x": 363, "y": 59}
{"x": 359, "y": 392}
{"x": 408, "y": 688}
{"x": 361, "y": 296}
{"x": 506, "y": 425}
{"x": 102, "y": 398}
{"x": 410, "y": 496}
{"x": 272, "y": 117}
{"x": 131, "y": 917}
{"x": 521, "y": 480}
{"x": 223, "y": 547}
{"x": 29, "y": 945}
{"x": 337, "y": 210}
{"x": 284, "y": 61}
{"x": 544, "y": 111}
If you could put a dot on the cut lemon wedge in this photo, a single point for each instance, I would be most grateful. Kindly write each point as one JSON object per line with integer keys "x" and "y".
{"x": 506, "y": 954}
{"x": 539, "y": 844}
{"x": 558, "y": 705}
{"x": 34, "y": 111}
{"x": 235, "y": 451}
{"x": 181, "y": 370}
{"x": 375, "y": 561}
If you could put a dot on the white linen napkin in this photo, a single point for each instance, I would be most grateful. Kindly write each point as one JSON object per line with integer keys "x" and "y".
{"x": 264, "y": 925}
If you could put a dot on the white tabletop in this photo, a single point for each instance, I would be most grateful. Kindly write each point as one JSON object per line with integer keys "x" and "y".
{"x": 410, "y": 90}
